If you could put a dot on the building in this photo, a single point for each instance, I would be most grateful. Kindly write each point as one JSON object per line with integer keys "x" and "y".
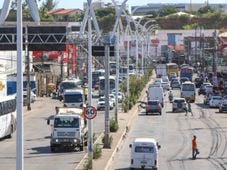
{"x": 145, "y": 9}
{"x": 62, "y": 14}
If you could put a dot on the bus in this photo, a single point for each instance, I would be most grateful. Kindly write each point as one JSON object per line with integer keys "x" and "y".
{"x": 7, "y": 116}
{"x": 95, "y": 76}
{"x": 102, "y": 84}
{"x": 188, "y": 91}
{"x": 186, "y": 71}
{"x": 172, "y": 68}
{"x": 71, "y": 83}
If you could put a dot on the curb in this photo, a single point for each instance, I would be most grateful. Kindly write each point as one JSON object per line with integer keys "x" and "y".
{"x": 127, "y": 128}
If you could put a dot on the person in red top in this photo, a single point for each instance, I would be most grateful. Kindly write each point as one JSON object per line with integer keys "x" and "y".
{"x": 194, "y": 148}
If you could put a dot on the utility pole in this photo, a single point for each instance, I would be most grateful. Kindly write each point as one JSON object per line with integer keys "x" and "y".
{"x": 61, "y": 65}
{"x": 27, "y": 63}
{"x": 215, "y": 57}
{"x": 107, "y": 89}
{"x": 118, "y": 25}
{"x": 88, "y": 18}
{"x": 27, "y": 70}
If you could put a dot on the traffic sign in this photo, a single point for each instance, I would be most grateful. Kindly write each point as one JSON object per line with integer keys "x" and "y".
{"x": 90, "y": 112}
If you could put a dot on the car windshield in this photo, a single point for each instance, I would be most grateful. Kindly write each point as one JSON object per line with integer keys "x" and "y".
{"x": 102, "y": 99}
{"x": 179, "y": 101}
{"x": 66, "y": 122}
{"x": 152, "y": 102}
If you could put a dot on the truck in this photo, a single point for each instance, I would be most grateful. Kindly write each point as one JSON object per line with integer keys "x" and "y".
{"x": 68, "y": 129}
{"x": 156, "y": 93}
{"x": 161, "y": 70}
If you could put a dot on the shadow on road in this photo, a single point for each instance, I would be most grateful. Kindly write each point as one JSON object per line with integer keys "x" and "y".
{"x": 149, "y": 114}
{"x": 46, "y": 150}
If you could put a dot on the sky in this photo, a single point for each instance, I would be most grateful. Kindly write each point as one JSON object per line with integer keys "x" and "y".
{"x": 79, "y": 3}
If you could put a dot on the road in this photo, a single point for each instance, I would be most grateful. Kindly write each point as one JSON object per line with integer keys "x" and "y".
{"x": 37, "y": 154}
{"x": 174, "y": 132}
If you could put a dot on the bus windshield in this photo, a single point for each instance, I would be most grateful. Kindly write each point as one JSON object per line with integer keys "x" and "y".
{"x": 188, "y": 87}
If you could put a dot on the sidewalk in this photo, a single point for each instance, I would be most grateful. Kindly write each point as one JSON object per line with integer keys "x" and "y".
{"x": 124, "y": 120}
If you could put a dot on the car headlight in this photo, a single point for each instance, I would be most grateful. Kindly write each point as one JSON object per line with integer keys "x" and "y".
{"x": 56, "y": 140}
{"x": 75, "y": 140}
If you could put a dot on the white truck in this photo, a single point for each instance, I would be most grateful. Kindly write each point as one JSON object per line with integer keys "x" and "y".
{"x": 68, "y": 129}
{"x": 161, "y": 70}
{"x": 156, "y": 93}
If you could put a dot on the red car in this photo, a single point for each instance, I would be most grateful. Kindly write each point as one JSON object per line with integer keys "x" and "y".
{"x": 153, "y": 106}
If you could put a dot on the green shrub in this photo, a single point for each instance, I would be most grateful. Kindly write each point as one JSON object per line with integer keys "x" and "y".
{"x": 113, "y": 125}
{"x": 97, "y": 151}
{"x": 88, "y": 164}
{"x": 110, "y": 140}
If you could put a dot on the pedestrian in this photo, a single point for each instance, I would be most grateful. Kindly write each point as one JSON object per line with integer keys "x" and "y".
{"x": 188, "y": 109}
{"x": 195, "y": 150}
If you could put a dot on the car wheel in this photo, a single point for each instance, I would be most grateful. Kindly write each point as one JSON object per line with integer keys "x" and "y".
{"x": 220, "y": 111}
{"x": 160, "y": 113}
{"x": 173, "y": 110}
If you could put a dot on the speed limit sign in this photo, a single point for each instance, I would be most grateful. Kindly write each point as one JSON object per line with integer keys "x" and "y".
{"x": 90, "y": 112}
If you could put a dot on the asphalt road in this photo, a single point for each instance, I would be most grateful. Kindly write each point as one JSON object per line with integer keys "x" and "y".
{"x": 37, "y": 154}
{"x": 174, "y": 132}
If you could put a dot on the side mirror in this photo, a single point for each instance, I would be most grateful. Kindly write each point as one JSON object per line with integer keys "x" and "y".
{"x": 159, "y": 146}
{"x": 48, "y": 121}
{"x": 130, "y": 145}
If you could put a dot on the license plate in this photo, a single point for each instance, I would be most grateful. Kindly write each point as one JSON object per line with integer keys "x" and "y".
{"x": 65, "y": 140}
{"x": 143, "y": 162}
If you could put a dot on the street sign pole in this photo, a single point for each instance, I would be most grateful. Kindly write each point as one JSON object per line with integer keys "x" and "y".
{"x": 20, "y": 122}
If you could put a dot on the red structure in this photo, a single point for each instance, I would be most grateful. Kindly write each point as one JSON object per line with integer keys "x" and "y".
{"x": 68, "y": 56}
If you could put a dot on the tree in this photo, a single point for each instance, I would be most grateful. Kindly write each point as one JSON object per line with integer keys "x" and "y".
{"x": 206, "y": 9}
{"x": 167, "y": 10}
{"x": 49, "y": 4}
{"x": 46, "y": 6}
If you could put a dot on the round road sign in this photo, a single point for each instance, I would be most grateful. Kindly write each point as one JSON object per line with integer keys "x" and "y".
{"x": 90, "y": 112}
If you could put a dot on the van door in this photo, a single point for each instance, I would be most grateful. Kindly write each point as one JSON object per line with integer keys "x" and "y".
{"x": 144, "y": 156}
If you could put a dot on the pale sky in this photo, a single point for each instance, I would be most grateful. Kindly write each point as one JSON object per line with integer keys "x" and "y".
{"x": 79, "y": 3}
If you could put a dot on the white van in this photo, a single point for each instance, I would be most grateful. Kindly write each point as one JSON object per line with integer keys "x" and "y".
{"x": 144, "y": 153}
{"x": 73, "y": 98}
{"x": 188, "y": 91}
{"x": 156, "y": 93}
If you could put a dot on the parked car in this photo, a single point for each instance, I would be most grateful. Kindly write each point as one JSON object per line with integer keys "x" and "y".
{"x": 102, "y": 103}
{"x": 223, "y": 106}
{"x": 153, "y": 106}
{"x": 179, "y": 104}
{"x": 215, "y": 101}
{"x": 25, "y": 97}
